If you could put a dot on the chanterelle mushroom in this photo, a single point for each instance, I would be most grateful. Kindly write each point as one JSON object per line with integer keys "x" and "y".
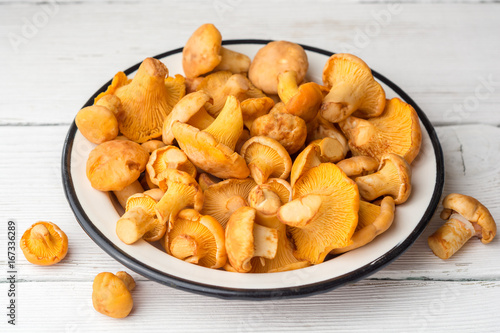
{"x": 273, "y": 59}
{"x": 289, "y": 130}
{"x": 115, "y": 164}
{"x": 145, "y": 102}
{"x": 266, "y": 158}
{"x": 97, "y": 123}
{"x": 220, "y": 85}
{"x": 44, "y": 244}
{"x": 323, "y": 214}
{"x": 224, "y": 198}
{"x": 111, "y": 294}
{"x": 304, "y": 100}
{"x": 138, "y": 219}
{"x": 397, "y": 130}
{"x": 253, "y": 108}
{"x": 197, "y": 239}
{"x": 267, "y": 199}
{"x": 181, "y": 191}
{"x": 168, "y": 157}
{"x": 373, "y": 220}
{"x": 212, "y": 149}
{"x": 358, "y": 166}
{"x": 246, "y": 239}
{"x": 393, "y": 178}
{"x": 203, "y": 53}
{"x": 188, "y": 110}
{"x": 353, "y": 90}
{"x": 466, "y": 217}
{"x": 318, "y": 151}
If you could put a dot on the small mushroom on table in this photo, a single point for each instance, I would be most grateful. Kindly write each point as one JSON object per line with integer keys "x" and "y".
{"x": 44, "y": 244}
{"x": 353, "y": 90}
{"x": 466, "y": 217}
{"x": 111, "y": 294}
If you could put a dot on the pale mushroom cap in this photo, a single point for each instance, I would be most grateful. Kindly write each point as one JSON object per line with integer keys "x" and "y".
{"x": 208, "y": 154}
{"x": 266, "y": 158}
{"x": 224, "y": 198}
{"x": 273, "y": 59}
{"x": 472, "y": 210}
{"x": 201, "y": 52}
{"x": 97, "y": 124}
{"x": 110, "y": 296}
{"x": 289, "y": 130}
{"x": 353, "y": 90}
{"x": 44, "y": 243}
{"x": 396, "y": 130}
{"x": 114, "y": 164}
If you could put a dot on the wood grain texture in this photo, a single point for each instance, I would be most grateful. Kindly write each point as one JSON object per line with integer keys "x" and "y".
{"x": 417, "y": 306}
{"x": 427, "y": 49}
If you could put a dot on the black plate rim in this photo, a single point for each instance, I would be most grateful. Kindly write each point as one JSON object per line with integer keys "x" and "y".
{"x": 252, "y": 294}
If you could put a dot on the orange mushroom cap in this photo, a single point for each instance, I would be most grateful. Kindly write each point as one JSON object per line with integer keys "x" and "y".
{"x": 44, "y": 244}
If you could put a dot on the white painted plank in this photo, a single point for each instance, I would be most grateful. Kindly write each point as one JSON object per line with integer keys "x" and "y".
{"x": 368, "y": 306}
{"x": 32, "y": 191}
{"x": 439, "y": 53}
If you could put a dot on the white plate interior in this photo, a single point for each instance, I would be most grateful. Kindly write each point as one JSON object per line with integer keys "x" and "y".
{"x": 100, "y": 210}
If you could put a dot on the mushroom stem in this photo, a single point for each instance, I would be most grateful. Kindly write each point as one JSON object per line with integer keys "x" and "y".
{"x": 300, "y": 212}
{"x": 134, "y": 224}
{"x": 287, "y": 85}
{"x": 260, "y": 169}
{"x": 232, "y": 61}
{"x": 127, "y": 280}
{"x": 265, "y": 244}
{"x": 235, "y": 202}
{"x": 128, "y": 191}
{"x": 451, "y": 236}
{"x": 185, "y": 247}
{"x": 40, "y": 232}
{"x": 227, "y": 127}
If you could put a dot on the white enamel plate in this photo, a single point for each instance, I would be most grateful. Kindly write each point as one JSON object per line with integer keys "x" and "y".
{"x": 97, "y": 215}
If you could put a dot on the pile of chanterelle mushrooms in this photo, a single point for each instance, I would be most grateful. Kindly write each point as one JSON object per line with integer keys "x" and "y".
{"x": 243, "y": 165}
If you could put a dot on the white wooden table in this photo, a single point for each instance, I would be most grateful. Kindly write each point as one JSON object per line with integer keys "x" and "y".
{"x": 55, "y": 54}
